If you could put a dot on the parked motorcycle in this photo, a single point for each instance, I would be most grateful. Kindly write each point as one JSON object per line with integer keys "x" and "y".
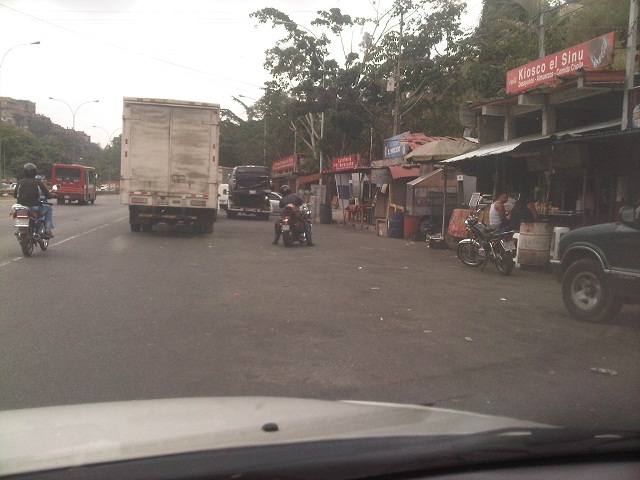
{"x": 291, "y": 226}
{"x": 30, "y": 227}
{"x": 487, "y": 244}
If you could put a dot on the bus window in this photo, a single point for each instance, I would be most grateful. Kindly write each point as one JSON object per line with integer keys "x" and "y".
{"x": 67, "y": 174}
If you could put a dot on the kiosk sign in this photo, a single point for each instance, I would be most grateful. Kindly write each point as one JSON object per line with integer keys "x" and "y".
{"x": 284, "y": 164}
{"x": 595, "y": 53}
{"x": 348, "y": 162}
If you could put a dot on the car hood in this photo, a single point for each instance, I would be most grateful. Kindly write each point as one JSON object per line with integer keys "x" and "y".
{"x": 65, "y": 436}
{"x": 594, "y": 233}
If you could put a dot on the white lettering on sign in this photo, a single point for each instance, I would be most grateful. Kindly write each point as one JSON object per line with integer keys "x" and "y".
{"x": 592, "y": 54}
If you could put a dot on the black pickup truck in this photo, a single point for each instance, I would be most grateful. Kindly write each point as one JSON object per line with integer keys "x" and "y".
{"x": 249, "y": 189}
{"x": 599, "y": 267}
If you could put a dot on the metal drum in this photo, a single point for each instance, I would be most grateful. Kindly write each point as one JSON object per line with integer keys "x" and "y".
{"x": 534, "y": 243}
{"x": 396, "y": 225}
{"x": 411, "y": 225}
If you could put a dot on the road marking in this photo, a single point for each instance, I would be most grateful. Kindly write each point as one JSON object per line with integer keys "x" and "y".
{"x": 11, "y": 261}
{"x": 91, "y": 230}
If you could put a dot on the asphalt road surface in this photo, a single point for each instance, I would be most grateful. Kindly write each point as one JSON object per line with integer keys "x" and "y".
{"x": 107, "y": 314}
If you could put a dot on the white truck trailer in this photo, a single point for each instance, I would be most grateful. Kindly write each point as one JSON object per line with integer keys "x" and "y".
{"x": 169, "y": 163}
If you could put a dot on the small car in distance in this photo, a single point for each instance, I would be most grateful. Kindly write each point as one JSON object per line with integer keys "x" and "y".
{"x": 599, "y": 267}
{"x": 223, "y": 196}
{"x": 274, "y": 199}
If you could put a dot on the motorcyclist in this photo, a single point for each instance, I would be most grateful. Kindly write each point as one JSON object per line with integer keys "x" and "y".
{"x": 28, "y": 192}
{"x": 289, "y": 197}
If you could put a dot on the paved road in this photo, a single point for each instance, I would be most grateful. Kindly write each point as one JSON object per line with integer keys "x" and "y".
{"x": 108, "y": 314}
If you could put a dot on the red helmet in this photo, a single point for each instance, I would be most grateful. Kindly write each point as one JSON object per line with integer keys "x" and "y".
{"x": 289, "y": 209}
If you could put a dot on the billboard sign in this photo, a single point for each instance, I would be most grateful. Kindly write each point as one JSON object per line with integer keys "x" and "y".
{"x": 595, "y": 53}
{"x": 286, "y": 164}
{"x": 394, "y": 147}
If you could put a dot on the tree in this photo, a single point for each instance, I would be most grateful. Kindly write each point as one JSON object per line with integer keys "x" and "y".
{"x": 351, "y": 92}
{"x": 17, "y": 147}
{"x": 586, "y": 20}
{"x": 507, "y": 36}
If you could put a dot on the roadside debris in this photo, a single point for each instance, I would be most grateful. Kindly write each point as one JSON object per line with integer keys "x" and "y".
{"x": 605, "y": 371}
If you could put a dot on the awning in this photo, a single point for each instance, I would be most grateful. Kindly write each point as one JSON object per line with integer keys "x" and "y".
{"x": 441, "y": 149}
{"x": 523, "y": 143}
{"x": 402, "y": 171}
{"x": 418, "y": 180}
{"x": 601, "y": 137}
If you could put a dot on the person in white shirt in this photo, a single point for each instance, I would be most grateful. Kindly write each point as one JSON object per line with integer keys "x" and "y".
{"x": 497, "y": 213}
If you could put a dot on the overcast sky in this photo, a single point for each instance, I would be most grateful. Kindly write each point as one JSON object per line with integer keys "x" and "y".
{"x": 200, "y": 50}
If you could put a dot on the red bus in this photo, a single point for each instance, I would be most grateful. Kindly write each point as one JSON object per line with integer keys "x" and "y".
{"x": 77, "y": 183}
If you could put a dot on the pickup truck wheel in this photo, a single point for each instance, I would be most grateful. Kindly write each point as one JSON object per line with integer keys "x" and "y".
{"x": 135, "y": 227}
{"x": 231, "y": 215}
{"x": 586, "y": 293}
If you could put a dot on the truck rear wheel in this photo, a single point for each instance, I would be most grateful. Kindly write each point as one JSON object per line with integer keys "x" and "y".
{"x": 231, "y": 214}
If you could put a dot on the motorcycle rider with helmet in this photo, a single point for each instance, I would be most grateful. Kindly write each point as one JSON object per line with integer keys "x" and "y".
{"x": 28, "y": 192}
{"x": 289, "y": 197}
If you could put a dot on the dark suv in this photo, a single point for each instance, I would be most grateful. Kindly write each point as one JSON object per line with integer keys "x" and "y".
{"x": 599, "y": 267}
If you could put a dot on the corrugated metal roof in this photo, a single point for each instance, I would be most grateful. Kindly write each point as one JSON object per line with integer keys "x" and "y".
{"x": 415, "y": 140}
{"x": 401, "y": 171}
{"x": 510, "y": 145}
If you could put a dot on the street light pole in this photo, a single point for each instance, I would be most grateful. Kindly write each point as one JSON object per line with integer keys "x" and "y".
{"x": 110, "y": 139}
{"x": 264, "y": 134}
{"x": 282, "y": 22}
{"x": 15, "y": 46}
{"x": 73, "y": 112}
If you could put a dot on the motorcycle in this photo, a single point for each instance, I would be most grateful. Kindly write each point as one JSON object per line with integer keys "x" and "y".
{"x": 487, "y": 244}
{"x": 30, "y": 227}
{"x": 291, "y": 226}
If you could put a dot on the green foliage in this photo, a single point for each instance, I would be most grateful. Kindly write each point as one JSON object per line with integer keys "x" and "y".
{"x": 45, "y": 143}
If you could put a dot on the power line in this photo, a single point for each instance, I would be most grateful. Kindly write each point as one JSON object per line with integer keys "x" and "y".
{"x": 127, "y": 50}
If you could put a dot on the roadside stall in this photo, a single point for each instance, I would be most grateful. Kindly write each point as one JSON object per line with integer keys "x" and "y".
{"x": 426, "y": 198}
{"x": 453, "y": 190}
{"x": 401, "y": 175}
{"x": 352, "y": 187}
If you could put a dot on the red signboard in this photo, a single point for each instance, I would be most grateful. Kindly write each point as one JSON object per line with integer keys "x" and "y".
{"x": 284, "y": 164}
{"x": 595, "y": 53}
{"x": 348, "y": 162}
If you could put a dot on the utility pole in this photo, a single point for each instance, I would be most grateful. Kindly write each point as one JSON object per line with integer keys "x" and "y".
{"x": 541, "y": 35}
{"x": 396, "y": 109}
{"x": 632, "y": 41}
